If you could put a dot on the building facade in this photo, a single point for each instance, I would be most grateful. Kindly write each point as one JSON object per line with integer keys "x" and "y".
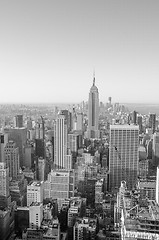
{"x": 93, "y": 112}
{"x": 123, "y": 155}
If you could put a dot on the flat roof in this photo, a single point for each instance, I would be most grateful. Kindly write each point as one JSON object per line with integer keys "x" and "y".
{"x": 124, "y": 127}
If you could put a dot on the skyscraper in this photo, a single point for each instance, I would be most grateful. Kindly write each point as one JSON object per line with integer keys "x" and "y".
{"x": 4, "y": 180}
{"x": 123, "y": 155}
{"x": 93, "y": 112}
{"x": 12, "y": 158}
{"x": 60, "y": 141}
{"x": 152, "y": 122}
{"x": 18, "y": 121}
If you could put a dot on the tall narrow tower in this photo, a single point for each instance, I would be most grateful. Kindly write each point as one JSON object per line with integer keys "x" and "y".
{"x": 60, "y": 141}
{"x": 93, "y": 112}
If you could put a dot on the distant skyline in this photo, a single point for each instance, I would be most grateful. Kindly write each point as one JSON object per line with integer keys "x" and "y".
{"x": 49, "y": 50}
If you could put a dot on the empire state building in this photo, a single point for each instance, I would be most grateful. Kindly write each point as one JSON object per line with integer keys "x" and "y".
{"x": 93, "y": 112}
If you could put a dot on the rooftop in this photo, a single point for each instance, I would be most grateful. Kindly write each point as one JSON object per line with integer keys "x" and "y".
{"x": 35, "y": 183}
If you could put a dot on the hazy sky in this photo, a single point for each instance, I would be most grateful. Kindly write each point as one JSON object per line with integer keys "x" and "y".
{"x": 49, "y": 49}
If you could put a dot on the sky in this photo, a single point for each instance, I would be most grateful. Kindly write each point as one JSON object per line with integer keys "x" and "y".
{"x": 49, "y": 50}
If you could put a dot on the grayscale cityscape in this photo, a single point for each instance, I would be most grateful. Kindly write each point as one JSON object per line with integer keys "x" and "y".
{"x": 79, "y": 120}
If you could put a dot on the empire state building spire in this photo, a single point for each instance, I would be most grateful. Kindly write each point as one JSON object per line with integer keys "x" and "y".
{"x": 94, "y": 78}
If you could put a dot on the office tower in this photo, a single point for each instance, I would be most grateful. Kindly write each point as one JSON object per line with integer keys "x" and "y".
{"x": 134, "y": 117}
{"x": 12, "y": 158}
{"x": 18, "y": 121}
{"x": 123, "y": 155}
{"x": 35, "y": 215}
{"x": 109, "y": 101}
{"x": 19, "y": 136}
{"x": 21, "y": 219}
{"x": 155, "y": 148}
{"x": 39, "y": 148}
{"x": 41, "y": 169}
{"x": 99, "y": 191}
{"x": 68, "y": 118}
{"x": 34, "y": 192}
{"x": 157, "y": 185}
{"x": 3, "y": 141}
{"x": 29, "y": 124}
{"x": 152, "y": 122}
{"x": 60, "y": 141}
{"x": 28, "y": 156}
{"x": 72, "y": 142}
{"x": 139, "y": 122}
{"x": 93, "y": 112}
{"x": 60, "y": 185}
{"x": 4, "y": 180}
{"x": 18, "y": 190}
{"x": 79, "y": 126}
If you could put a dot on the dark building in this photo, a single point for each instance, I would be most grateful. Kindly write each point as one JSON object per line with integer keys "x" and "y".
{"x": 19, "y": 136}
{"x": 7, "y": 221}
{"x": 139, "y": 122}
{"x": 152, "y": 122}
{"x": 39, "y": 148}
{"x": 68, "y": 118}
{"x": 19, "y": 121}
{"x": 21, "y": 220}
{"x": 134, "y": 117}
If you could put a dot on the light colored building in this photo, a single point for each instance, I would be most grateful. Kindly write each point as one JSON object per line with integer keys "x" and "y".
{"x": 123, "y": 155}
{"x": 72, "y": 142}
{"x": 99, "y": 191}
{"x": 27, "y": 156}
{"x": 35, "y": 215}
{"x": 85, "y": 228}
{"x": 80, "y": 121}
{"x": 35, "y": 192}
{"x": 4, "y": 179}
{"x": 60, "y": 142}
{"x": 60, "y": 185}
{"x": 93, "y": 112}
{"x": 41, "y": 169}
{"x": 12, "y": 158}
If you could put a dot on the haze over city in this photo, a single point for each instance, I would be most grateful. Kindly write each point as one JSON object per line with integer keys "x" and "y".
{"x": 49, "y": 50}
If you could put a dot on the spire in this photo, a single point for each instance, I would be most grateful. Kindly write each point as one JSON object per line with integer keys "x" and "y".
{"x": 94, "y": 78}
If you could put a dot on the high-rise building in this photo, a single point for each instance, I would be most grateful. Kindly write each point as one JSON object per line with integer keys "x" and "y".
{"x": 139, "y": 122}
{"x": 134, "y": 117}
{"x": 4, "y": 180}
{"x": 155, "y": 148}
{"x": 68, "y": 118}
{"x": 19, "y": 136}
{"x": 60, "y": 141}
{"x": 41, "y": 169}
{"x": 99, "y": 191}
{"x": 152, "y": 122}
{"x": 79, "y": 122}
{"x": 157, "y": 186}
{"x": 34, "y": 192}
{"x": 18, "y": 121}
{"x": 60, "y": 185}
{"x": 93, "y": 112}
{"x": 3, "y": 141}
{"x": 12, "y": 158}
{"x": 35, "y": 215}
{"x": 123, "y": 155}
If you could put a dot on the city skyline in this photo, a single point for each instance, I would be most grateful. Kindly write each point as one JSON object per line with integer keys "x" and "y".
{"x": 49, "y": 51}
